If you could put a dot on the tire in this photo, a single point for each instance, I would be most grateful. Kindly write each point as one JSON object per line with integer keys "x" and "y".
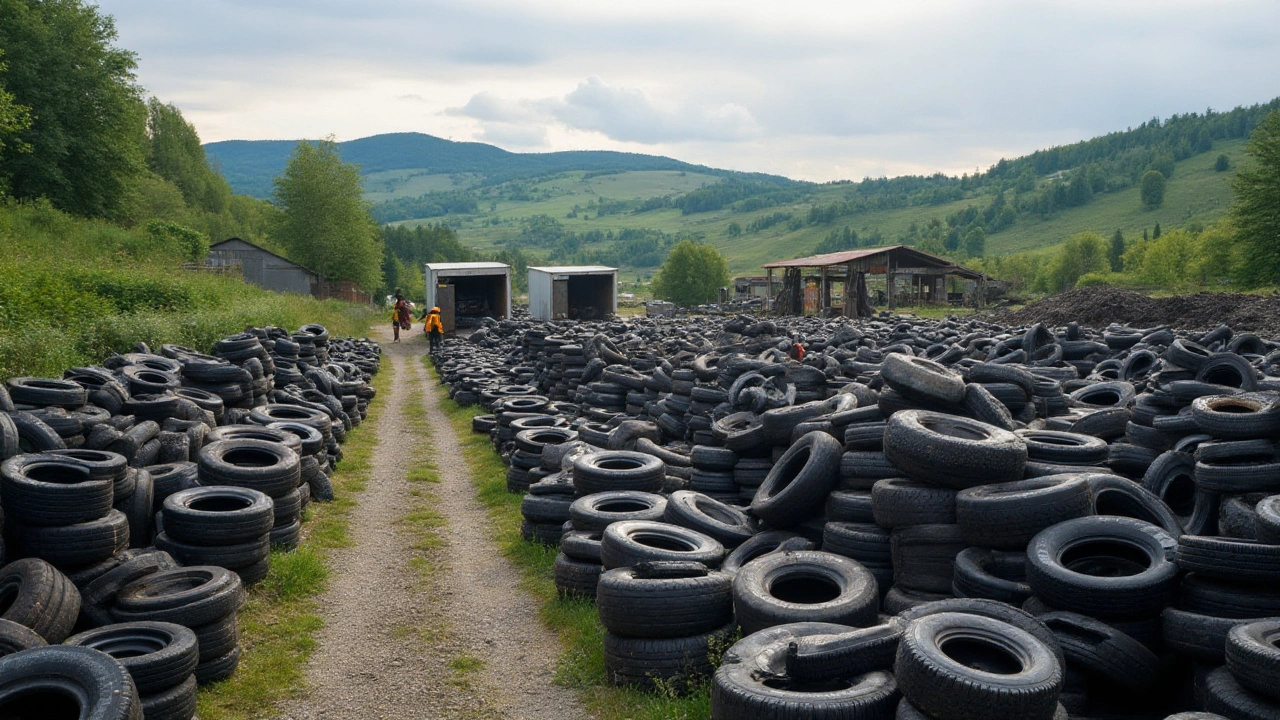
{"x": 230, "y": 556}
{"x": 993, "y": 609}
{"x": 922, "y": 380}
{"x": 849, "y": 506}
{"x": 1253, "y": 656}
{"x": 627, "y": 543}
{"x": 1115, "y": 496}
{"x": 617, "y": 470}
{"x": 1104, "y": 651}
{"x": 217, "y": 638}
{"x": 157, "y": 655}
{"x": 899, "y": 502}
{"x": 866, "y": 543}
{"x": 1244, "y": 561}
{"x": 1223, "y": 694}
{"x": 582, "y": 545}
{"x": 253, "y": 432}
{"x": 269, "y": 467}
{"x": 47, "y": 392}
{"x": 598, "y": 511}
{"x": 217, "y": 516}
{"x": 953, "y": 451}
{"x": 101, "y": 464}
{"x": 1234, "y": 467}
{"x": 15, "y": 638}
{"x": 138, "y": 510}
{"x": 1022, "y": 681}
{"x": 311, "y": 438}
{"x": 1268, "y": 523}
{"x": 1006, "y": 516}
{"x": 282, "y": 537}
{"x": 821, "y": 658}
{"x": 799, "y": 481}
{"x": 1237, "y": 417}
{"x": 81, "y": 544}
{"x": 547, "y": 509}
{"x": 762, "y": 544}
{"x": 1063, "y": 448}
{"x": 706, "y": 457}
{"x": 34, "y": 435}
{"x": 190, "y": 596}
{"x": 663, "y": 664}
{"x": 278, "y": 412}
{"x": 1104, "y": 567}
{"x": 1208, "y": 596}
{"x": 99, "y": 596}
{"x": 50, "y": 490}
{"x": 576, "y": 578}
{"x": 631, "y": 604}
{"x": 804, "y": 586}
{"x": 1230, "y": 370}
{"x": 696, "y": 511}
{"x": 991, "y": 574}
{"x": 219, "y": 668}
{"x": 924, "y": 556}
{"x": 1172, "y": 478}
{"x": 176, "y": 703}
{"x": 288, "y": 508}
{"x": 35, "y": 681}
{"x": 1198, "y": 636}
{"x": 980, "y": 404}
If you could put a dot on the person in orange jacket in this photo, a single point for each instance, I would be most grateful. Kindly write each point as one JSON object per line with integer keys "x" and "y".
{"x": 434, "y": 329}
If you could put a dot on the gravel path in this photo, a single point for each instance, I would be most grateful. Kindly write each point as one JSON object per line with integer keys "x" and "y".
{"x": 390, "y": 635}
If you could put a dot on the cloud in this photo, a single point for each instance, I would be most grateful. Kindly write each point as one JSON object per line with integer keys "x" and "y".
{"x": 511, "y": 135}
{"x": 629, "y": 115}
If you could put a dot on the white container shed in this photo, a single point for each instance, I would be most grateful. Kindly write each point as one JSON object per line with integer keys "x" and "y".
{"x": 468, "y": 291}
{"x": 576, "y": 292}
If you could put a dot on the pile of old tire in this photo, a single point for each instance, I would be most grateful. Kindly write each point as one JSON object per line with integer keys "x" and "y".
{"x": 202, "y": 598}
{"x": 161, "y": 659}
{"x": 269, "y": 467}
{"x": 67, "y": 681}
{"x": 226, "y": 526}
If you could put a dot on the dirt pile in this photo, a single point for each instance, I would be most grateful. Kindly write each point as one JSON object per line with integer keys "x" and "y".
{"x": 1101, "y": 306}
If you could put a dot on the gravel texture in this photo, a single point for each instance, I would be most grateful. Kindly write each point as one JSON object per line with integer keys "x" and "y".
{"x": 390, "y": 634}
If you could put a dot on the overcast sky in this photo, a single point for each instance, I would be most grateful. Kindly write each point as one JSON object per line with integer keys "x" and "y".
{"x": 808, "y": 89}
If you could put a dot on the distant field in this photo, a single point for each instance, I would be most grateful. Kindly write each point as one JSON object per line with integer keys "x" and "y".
{"x": 392, "y": 184}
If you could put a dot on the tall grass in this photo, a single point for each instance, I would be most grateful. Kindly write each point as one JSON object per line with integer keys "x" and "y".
{"x": 73, "y": 291}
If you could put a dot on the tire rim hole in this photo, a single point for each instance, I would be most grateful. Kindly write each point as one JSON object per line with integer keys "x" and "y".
{"x": 804, "y": 590}
{"x": 219, "y": 504}
{"x": 41, "y": 704}
{"x": 1234, "y": 407}
{"x": 1227, "y": 376}
{"x": 943, "y": 426}
{"x": 980, "y": 654}
{"x": 58, "y": 474}
{"x": 1102, "y": 397}
{"x": 1121, "y": 504}
{"x": 1180, "y": 495}
{"x": 250, "y": 457}
{"x": 123, "y": 648}
{"x": 1106, "y": 558}
{"x": 788, "y": 472}
{"x": 663, "y": 542}
{"x": 622, "y": 506}
{"x": 8, "y": 593}
{"x": 715, "y": 512}
{"x": 618, "y": 464}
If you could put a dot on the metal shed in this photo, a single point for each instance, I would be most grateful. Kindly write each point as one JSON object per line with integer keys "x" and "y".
{"x": 576, "y": 292}
{"x": 465, "y": 292}
{"x": 263, "y": 267}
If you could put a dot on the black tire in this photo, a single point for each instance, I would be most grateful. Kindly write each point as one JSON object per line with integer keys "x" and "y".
{"x": 1063, "y": 448}
{"x": 991, "y": 574}
{"x": 99, "y": 596}
{"x": 287, "y": 508}
{"x": 1223, "y": 694}
{"x": 1115, "y": 496}
{"x": 218, "y": 669}
{"x": 663, "y": 664}
{"x": 804, "y": 586}
{"x": 138, "y": 510}
{"x": 617, "y": 470}
{"x": 1230, "y": 370}
{"x": 763, "y": 544}
{"x": 993, "y": 609}
{"x": 820, "y": 658}
{"x": 1007, "y": 515}
{"x": 217, "y": 638}
{"x": 1253, "y": 656}
{"x": 985, "y": 407}
{"x": 311, "y": 438}
{"x": 230, "y": 556}
{"x": 1240, "y": 466}
{"x": 707, "y": 457}
{"x": 1198, "y": 636}
{"x": 849, "y": 506}
{"x": 1236, "y": 560}
{"x": 101, "y": 464}
{"x": 922, "y": 380}
{"x": 253, "y": 432}
{"x": 1237, "y": 417}
{"x": 268, "y": 467}
{"x": 284, "y": 536}
{"x": 799, "y": 481}
{"x": 576, "y": 578}
{"x": 924, "y": 556}
{"x": 582, "y": 545}
{"x": 547, "y": 509}
{"x": 52, "y": 490}
{"x": 80, "y": 682}
{"x": 1105, "y": 567}
{"x": 868, "y": 544}
{"x": 1104, "y": 651}
{"x": 157, "y": 655}
{"x": 217, "y": 516}
{"x": 953, "y": 451}
{"x": 47, "y": 392}
{"x": 709, "y": 516}
{"x": 15, "y": 638}
{"x": 627, "y": 543}
{"x": 1172, "y": 478}
{"x": 899, "y": 502}
{"x": 1268, "y": 523}
{"x": 190, "y": 596}
{"x": 1004, "y": 673}
{"x": 632, "y": 604}
{"x": 81, "y": 544}
{"x": 1208, "y": 596}
{"x": 34, "y": 435}
{"x": 598, "y": 511}
{"x": 176, "y": 703}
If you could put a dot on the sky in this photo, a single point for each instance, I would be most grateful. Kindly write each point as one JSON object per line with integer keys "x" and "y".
{"x": 814, "y": 90}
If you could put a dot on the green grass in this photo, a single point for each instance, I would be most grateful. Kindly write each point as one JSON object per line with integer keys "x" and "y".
{"x": 73, "y": 291}
{"x": 279, "y": 622}
{"x": 581, "y": 665}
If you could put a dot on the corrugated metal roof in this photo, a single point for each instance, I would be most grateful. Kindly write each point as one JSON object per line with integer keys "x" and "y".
{"x": 913, "y": 255}
{"x": 573, "y": 269}
{"x": 469, "y": 266}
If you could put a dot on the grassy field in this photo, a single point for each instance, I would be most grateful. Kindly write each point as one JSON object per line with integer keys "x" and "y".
{"x": 1195, "y": 193}
{"x": 73, "y": 291}
{"x": 282, "y": 616}
{"x": 581, "y": 665}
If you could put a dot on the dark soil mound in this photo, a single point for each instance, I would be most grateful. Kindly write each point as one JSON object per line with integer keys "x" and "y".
{"x": 1101, "y": 306}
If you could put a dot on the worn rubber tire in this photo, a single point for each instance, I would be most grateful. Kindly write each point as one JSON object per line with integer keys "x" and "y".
{"x": 190, "y": 596}
{"x": 799, "y": 481}
{"x": 991, "y": 574}
{"x": 599, "y": 510}
{"x": 1223, "y": 694}
{"x": 900, "y": 502}
{"x": 627, "y": 543}
{"x": 709, "y": 516}
{"x": 269, "y": 467}
{"x": 53, "y": 490}
{"x": 953, "y": 451}
{"x": 631, "y": 604}
{"x": 804, "y": 586}
{"x": 157, "y": 655}
{"x": 100, "y": 686}
{"x": 1006, "y": 516}
{"x": 176, "y": 703}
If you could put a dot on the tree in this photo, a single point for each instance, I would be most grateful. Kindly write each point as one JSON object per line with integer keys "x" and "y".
{"x": 325, "y": 223}
{"x": 1080, "y": 255}
{"x": 1155, "y": 233}
{"x": 734, "y": 229}
{"x": 1256, "y": 211}
{"x": 83, "y": 149}
{"x": 14, "y": 118}
{"x": 975, "y": 242}
{"x": 1162, "y": 163}
{"x": 691, "y": 274}
{"x": 175, "y": 154}
{"x": 1115, "y": 254}
{"x": 1222, "y": 164}
{"x": 1152, "y": 189}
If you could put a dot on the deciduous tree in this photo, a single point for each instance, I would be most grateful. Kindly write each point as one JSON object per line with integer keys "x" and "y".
{"x": 1115, "y": 254}
{"x": 691, "y": 274}
{"x": 1152, "y": 189}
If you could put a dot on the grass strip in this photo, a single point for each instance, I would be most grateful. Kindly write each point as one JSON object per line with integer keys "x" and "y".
{"x": 279, "y": 622}
{"x": 575, "y": 621}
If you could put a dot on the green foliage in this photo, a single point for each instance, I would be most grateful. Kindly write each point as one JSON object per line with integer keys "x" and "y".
{"x": 1080, "y": 255}
{"x": 83, "y": 148}
{"x": 325, "y": 224}
{"x": 1115, "y": 253}
{"x": 691, "y": 274}
{"x": 175, "y": 154}
{"x": 192, "y": 245}
{"x": 975, "y": 242}
{"x": 1163, "y": 163}
{"x": 1256, "y": 212}
{"x": 733, "y": 230}
{"x": 1153, "y": 184}
{"x": 1222, "y": 164}
{"x": 14, "y": 118}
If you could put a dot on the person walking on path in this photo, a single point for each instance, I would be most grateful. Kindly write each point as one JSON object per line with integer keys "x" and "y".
{"x": 434, "y": 329}
{"x": 400, "y": 317}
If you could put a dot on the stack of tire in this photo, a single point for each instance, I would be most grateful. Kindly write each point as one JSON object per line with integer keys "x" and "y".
{"x": 272, "y": 468}
{"x": 248, "y": 352}
{"x": 713, "y": 472}
{"x": 532, "y": 436}
{"x": 204, "y": 599}
{"x": 225, "y": 526}
{"x": 579, "y": 564}
{"x": 161, "y": 659}
{"x": 314, "y": 430}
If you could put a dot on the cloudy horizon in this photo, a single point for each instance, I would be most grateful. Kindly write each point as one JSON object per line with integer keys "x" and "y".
{"x": 811, "y": 90}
